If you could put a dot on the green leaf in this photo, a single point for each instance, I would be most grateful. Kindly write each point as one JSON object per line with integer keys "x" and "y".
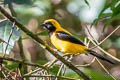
{"x": 1, "y": 75}
{"x": 54, "y": 70}
{"x": 5, "y": 29}
{"x": 44, "y": 33}
{"x": 104, "y": 15}
{"x": 108, "y": 21}
{"x": 116, "y": 10}
{"x": 113, "y": 3}
{"x": 12, "y": 66}
{"x": 70, "y": 73}
{"x": 41, "y": 62}
{"x": 18, "y": 1}
{"x": 97, "y": 76}
{"x": 87, "y": 3}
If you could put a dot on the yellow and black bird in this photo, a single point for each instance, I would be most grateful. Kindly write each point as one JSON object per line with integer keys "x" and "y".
{"x": 65, "y": 42}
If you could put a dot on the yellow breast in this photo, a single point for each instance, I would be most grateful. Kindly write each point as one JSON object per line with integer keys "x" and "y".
{"x": 66, "y": 46}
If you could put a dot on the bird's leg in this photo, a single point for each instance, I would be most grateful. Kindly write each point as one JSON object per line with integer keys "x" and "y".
{"x": 69, "y": 57}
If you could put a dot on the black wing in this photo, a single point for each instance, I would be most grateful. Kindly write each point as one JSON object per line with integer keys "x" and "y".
{"x": 65, "y": 36}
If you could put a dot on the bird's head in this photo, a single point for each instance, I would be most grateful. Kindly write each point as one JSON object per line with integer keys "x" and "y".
{"x": 51, "y": 25}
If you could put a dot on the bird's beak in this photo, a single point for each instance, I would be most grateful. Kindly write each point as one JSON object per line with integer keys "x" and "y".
{"x": 44, "y": 25}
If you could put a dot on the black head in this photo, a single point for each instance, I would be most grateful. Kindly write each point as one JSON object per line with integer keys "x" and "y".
{"x": 48, "y": 26}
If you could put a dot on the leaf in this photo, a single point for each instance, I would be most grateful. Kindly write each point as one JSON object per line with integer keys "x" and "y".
{"x": 70, "y": 73}
{"x": 116, "y": 10}
{"x": 44, "y": 33}
{"x": 54, "y": 70}
{"x": 113, "y": 3}
{"x": 102, "y": 14}
{"x": 87, "y": 3}
{"x": 28, "y": 2}
{"x": 96, "y": 75}
{"x": 116, "y": 17}
{"x": 41, "y": 62}
{"x": 12, "y": 66}
{"x": 1, "y": 75}
{"x": 5, "y": 29}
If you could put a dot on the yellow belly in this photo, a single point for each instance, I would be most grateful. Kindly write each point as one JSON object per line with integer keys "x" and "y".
{"x": 67, "y": 47}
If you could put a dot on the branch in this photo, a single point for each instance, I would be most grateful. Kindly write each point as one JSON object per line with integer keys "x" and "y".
{"x": 96, "y": 43}
{"x": 62, "y": 77}
{"x": 22, "y": 62}
{"x": 118, "y": 60}
{"x": 105, "y": 69}
{"x": 37, "y": 39}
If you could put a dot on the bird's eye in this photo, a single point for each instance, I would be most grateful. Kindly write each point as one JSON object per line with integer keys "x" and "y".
{"x": 47, "y": 23}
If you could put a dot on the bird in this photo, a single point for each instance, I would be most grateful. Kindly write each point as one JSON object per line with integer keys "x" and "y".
{"x": 65, "y": 42}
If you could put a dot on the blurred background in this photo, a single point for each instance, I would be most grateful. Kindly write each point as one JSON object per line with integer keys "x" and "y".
{"x": 75, "y": 16}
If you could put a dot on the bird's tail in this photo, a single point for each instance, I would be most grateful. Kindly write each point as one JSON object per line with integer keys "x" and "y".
{"x": 100, "y": 56}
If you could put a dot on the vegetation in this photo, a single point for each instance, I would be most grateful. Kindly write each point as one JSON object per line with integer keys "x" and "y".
{"x": 25, "y": 49}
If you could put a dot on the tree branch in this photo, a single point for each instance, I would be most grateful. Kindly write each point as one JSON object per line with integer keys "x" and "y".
{"x": 61, "y": 77}
{"x": 22, "y": 62}
{"x": 37, "y": 39}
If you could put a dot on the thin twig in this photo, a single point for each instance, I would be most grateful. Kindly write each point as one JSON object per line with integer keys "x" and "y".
{"x": 59, "y": 71}
{"x": 52, "y": 63}
{"x": 32, "y": 72}
{"x": 85, "y": 65}
{"x": 11, "y": 32}
{"x": 23, "y": 62}
{"x": 61, "y": 77}
{"x": 97, "y": 45}
{"x": 44, "y": 44}
{"x": 8, "y": 72}
{"x": 64, "y": 70}
{"x": 22, "y": 55}
{"x": 21, "y": 48}
{"x": 48, "y": 65}
{"x": 106, "y": 37}
{"x": 38, "y": 69}
{"x": 4, "y": 74}
{"x": 105, "y": 51}
{"x": 4, "y": 42}
{"x": 90, "y": 33}
{"x": 105, "y": 69}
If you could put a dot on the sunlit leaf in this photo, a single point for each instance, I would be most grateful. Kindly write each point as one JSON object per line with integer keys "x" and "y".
{"x": 54, "y": 70}
{"x": 12, "y": 66}
{"x": 5, "y": 29}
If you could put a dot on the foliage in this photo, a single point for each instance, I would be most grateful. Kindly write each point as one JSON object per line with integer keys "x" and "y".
{"x": 5, "y": 29}
{"x": 103, "y": 16}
